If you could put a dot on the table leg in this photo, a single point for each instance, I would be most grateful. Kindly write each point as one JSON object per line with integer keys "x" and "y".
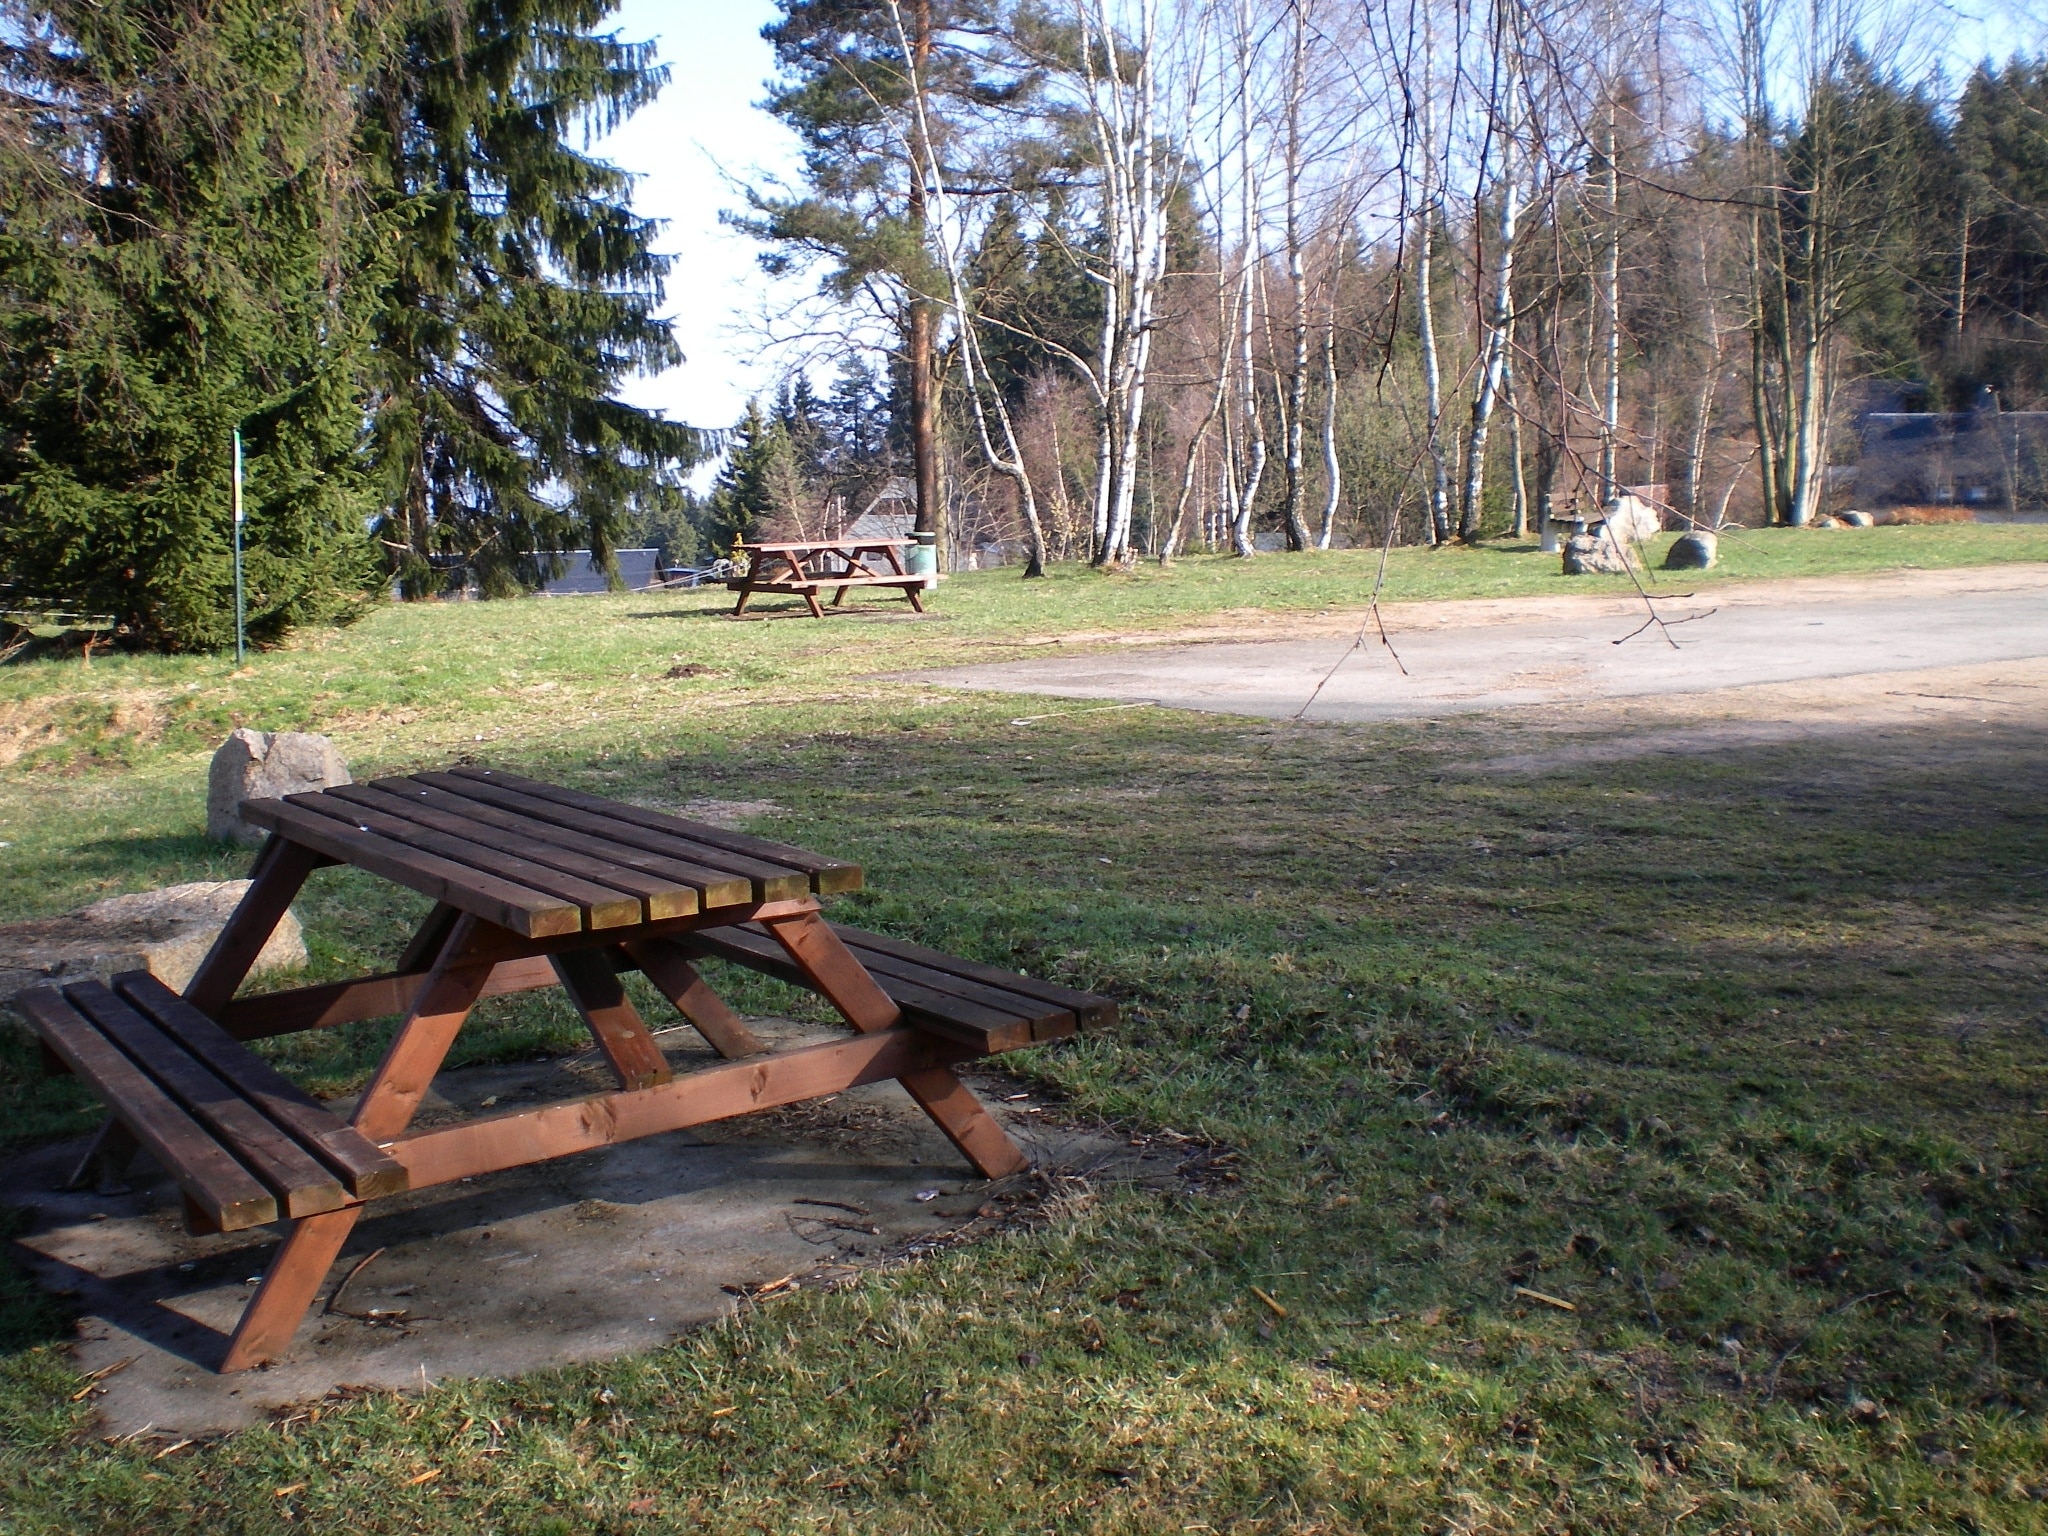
{"x": 387, "y": 1105}
{"x": 280, "y": 870}
{"x": 592, "y": 982}
{"x": 740, "y": 607}
{"x": 830, "y": 967}
{"x": 840, "y": 596}
{"x": 106, "y": 1160}
{"x": 811, "y": 597}
{"x": 428, "y": 941}
{"x": 677, "y": 980}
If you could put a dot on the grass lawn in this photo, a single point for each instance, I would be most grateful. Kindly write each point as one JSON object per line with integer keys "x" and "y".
{"x": 1742, "y": 1055}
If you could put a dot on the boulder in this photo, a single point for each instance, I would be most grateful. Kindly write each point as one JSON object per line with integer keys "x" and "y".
{"x": 165, "y": 932}
{"x": 1633, "y": 517}
{"x": 1695, "y": 551}
{"x": 1858, "y": 520}
{"x": 1597, "y": 552}
{"x": 265, "y": 765}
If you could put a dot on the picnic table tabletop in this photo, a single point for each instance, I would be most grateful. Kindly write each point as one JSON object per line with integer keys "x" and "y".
{"x": 825, "y": 544}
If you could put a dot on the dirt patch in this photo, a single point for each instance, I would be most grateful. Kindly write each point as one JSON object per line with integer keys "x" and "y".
{"x": 1895, "y": 707}
{"x": 580, "y": 1259}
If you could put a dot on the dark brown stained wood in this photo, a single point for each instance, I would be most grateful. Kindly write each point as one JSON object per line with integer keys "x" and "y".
{"x": 1008, "y": 1018}
{"x": 828, "y": 876}
{"x": 275, "y": 878}
{"x": 303, "y": 1186}
{"x": 719, "y": 886}
{"x": 1039, "y": 1019}
{"x": 228, "y": 1193}
{"x": 371, "y": 997}
{"x": 770, "y": 881}
{"x": 603, "y": 906}
{"x": 365, "y": 1169}
{"x": 591, "y": 835}
{"x": 591, "y": 981}
{"x": 924, "y": 998}
{"x": 1087, "y": 1007}
{"x": 527, "y": 912}
{"x": 658, "y": 898}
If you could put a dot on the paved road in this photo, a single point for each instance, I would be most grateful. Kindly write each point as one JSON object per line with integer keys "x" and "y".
{"x": 1755, "y": 634}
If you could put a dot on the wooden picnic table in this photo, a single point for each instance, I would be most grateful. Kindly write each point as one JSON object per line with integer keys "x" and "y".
{"x": 807, "y": 566}
{"x": 534, "y": 885}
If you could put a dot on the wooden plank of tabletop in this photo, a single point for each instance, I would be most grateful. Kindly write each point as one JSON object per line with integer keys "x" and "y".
{"x": 659, "y": 898}
{"x": 365, "y": 1168}
{"x": 827, "y": 875}
{"x": 603, "y": 906}
{"x": 771, "y": 879}
{"x": 302, "y": 1185}
{"x": 228, "y": 1194}
{"x": 714, "y": 887}
{"x": 527, "y": 912}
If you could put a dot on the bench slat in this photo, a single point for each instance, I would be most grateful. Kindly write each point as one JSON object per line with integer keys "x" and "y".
{"x": 302, "y": 1186}
{"x": 828, "y": 876}
{"x": 530, "y": 913}
{"x": 226, "y": 1193}
{"x": 1090, "y": 1009}
{"x": 1040, "y": 1019}
{"x": 990, "y": 1018}
{"x": 575, "y": 829}
{"x": 366, "y": 1169}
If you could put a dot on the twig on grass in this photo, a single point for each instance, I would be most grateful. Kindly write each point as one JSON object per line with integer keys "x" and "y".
{"x": 1778, "y": 1365}
{"x": 1372, "y": 616}
{"x": 334, "y": 1298}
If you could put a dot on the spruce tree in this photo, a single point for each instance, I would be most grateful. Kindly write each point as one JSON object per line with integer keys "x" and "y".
{"x": 527, "y": 290}
{"x": 181, "y": 253}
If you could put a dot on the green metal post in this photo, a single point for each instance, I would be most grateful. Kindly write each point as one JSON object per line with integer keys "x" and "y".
{"x": 241, "y": 644}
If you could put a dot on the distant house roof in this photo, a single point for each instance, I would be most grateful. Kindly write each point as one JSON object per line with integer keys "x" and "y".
{"x": 638, "y": 567}
{"x": 890, "y": 514}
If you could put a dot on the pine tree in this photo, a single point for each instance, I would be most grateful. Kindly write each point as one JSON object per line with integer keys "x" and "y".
{"x": 752, "y": 487}
{"x": 181, "y": 253}
{"x": 527, "y": 291}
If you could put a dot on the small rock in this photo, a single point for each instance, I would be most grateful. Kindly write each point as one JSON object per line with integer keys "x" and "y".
{"x": 1695, "y": 551}
{"x": 1858, "y": 520}
{"x": 1864, "y": 1411}
{"x": 265, "y": 765}
{"x": 165, "y": 932}
{"x": 1825, "y": 522}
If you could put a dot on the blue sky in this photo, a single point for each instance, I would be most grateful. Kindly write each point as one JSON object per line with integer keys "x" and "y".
{"x": 703, "y": 132}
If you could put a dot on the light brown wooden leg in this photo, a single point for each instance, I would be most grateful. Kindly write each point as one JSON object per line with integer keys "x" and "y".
{"x": 280, "y": 869}
{"x": 840, "y": 596}
{"x": 811, "y": 597}
{"x": 845, "y": 983}
{"x": 592, "y": 982}
{"x": 915, "y": 601}
{"x": 289, "y": 1286}
{"x": 421, "y": 1044}
{"x": 967, "y": 1124}
{"x": 740, "y": 607}
{"x": 387, "y": 1105}
{"x": 677, "y": 980}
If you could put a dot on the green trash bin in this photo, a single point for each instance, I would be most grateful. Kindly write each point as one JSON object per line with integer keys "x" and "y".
{"x": 923, "y": 558}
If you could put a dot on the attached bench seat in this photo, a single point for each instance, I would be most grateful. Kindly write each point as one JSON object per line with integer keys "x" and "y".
{"x": 978, "y": 1005}
{"x": 246, "y": 1145}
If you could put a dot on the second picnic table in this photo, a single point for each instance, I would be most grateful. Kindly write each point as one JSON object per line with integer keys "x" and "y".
{"x": 807, "y": 566}
{"x": 535, "y": 885}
